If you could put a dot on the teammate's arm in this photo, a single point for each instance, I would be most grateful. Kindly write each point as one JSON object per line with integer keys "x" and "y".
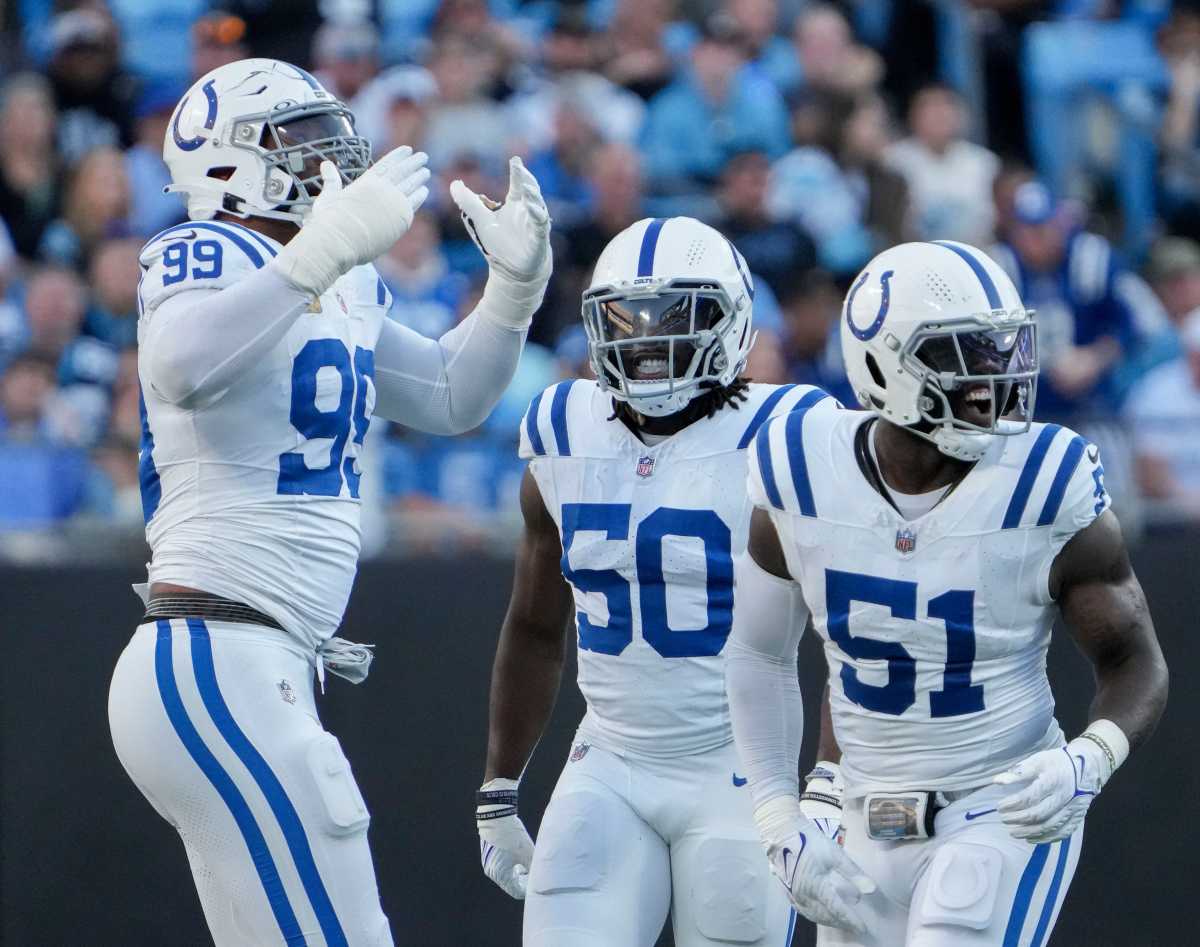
{"x": 1105, "y": 609}
{"x": 767, "y": 714}
{"x": 450, "y": 385}
{"x": 525, "y": 679}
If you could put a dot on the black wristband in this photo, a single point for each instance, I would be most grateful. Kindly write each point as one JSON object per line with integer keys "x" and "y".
{"x": 496, "y": 797}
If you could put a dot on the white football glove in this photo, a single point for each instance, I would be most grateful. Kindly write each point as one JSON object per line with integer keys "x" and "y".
{"x": 514, "y": 238}
{"x": 821, "y": 800}
{"x": 822, "y": 881}
{"x": 505, "y": 848}
{"x": 355, "y": 223}
{"x": 1060, "y": 784}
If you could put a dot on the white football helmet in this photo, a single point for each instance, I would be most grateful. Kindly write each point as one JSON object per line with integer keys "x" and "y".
{"x": 667, "y": 314}
{"x": 936, "y": 339}
{"x": 249, "y": 137}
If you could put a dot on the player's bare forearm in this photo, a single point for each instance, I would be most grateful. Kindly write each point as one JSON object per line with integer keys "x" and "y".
{"x": 1103, "y": 604}
{"x": 827, "y": 745}
{"x": 529, "y": 656}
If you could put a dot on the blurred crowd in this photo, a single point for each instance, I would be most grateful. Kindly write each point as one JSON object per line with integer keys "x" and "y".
{"x": 1063, "y": 136}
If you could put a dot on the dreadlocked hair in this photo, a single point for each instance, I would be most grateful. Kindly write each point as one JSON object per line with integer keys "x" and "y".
{"x": 706, "y": 405}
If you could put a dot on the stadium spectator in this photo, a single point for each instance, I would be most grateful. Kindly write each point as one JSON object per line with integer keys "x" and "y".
{"x": 55, "y": 305}
{"x": 1173, "y": 272}
{"x": 1091, "y": 309}
{"x": 776, "y": 251}
{"x": 1163, "y": 416}
{"x": 463, "y": 121}
{"x": 949, "y": 178}
{"x": 26, "y": 389}
{"x": 426, "y": 292}
{"x": 830, "y": 57}
{"x": 393, "y": 110}
{"x": 885, "y": 202}
{"x": 113, "y": 487}
{"x": 96, "y": 206}
{"x": 771, "y": 53}
{"x": 95, "y": 98}
{"x": 634, "y": 49}
{"x": 113, "y": 277}
{"x": 810, "y": 341}
{"x": 29, "y": 161}
{"x": 1179, "y": 135}
{"x": 346, "y": 58}
{"x": 715, "y": 109}
{"x": 218, "y": 38}
{"x": 561, "y": 169}
{"x": 151, "y": 209}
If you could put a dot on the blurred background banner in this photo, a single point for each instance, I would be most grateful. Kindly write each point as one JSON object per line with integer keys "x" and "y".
{"x": 85, "y": 860}
{"x": 1062, "y": 136}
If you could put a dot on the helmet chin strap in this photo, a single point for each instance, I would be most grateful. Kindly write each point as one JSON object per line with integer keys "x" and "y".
{"x": 961, "y": 445}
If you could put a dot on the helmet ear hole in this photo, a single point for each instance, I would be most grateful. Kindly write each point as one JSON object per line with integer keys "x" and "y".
{"x": 222, "y": 174}
{"x": 876, "y": 373}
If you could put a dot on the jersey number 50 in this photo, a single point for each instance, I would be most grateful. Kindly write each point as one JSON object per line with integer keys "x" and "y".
{"x": 295, "y": 476}
{"x": 612, "y": 519}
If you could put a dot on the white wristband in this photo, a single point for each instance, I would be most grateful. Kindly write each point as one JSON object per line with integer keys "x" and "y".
{"x": 777, "y": 819}
{"x": 509, "y": 303}
{"x": 1111, "y": 740}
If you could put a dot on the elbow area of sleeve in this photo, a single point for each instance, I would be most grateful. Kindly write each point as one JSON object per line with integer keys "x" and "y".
{"x": 769, "y": 613}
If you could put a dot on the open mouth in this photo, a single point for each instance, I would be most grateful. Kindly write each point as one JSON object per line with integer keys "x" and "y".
{"x": 647, "y": 365}
{"x": 975, "y": 405}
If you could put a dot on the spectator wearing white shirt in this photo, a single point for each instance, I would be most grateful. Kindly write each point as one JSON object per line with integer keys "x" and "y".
{"x": 1163, "y": 415}
{"x": 949, "y": 178}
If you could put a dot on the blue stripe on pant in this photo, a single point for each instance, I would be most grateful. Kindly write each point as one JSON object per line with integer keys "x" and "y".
{"x": 268, "y": 783}
{"x": 256, "y": 844}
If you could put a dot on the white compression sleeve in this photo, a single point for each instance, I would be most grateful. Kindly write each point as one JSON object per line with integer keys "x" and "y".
{"x": 197, "y": 343}
{"x": 448, "y": 385}
{"x": 761, "y": 679}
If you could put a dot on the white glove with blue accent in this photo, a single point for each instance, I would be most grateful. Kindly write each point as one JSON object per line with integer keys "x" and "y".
{"x": 821, "y": 800}
{"x": 355, "y": 223}
{"x": 1060, "y": 784}
{"x": 822, "y": 881}
{"x": 514, "y": 237}
{"x": 505, "y": 848}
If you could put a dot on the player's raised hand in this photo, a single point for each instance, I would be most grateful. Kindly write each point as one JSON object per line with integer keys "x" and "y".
{"x": 513, "y": 236}
{"x": 505, "y": 848}
{"x": 1057, "y": 786}
{"x": 822, "y": 881}
{"x": 355, "y": 223}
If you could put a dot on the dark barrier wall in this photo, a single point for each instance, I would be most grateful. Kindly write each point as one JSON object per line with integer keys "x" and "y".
{"x": 86, "y": 861}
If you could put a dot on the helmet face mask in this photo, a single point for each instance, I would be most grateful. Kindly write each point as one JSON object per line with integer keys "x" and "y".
{"x": 658, "y": 344}
{"x": 294, "y": 141}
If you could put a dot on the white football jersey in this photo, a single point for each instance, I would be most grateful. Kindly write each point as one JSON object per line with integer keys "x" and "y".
{"x": 935, "y": 630}
{"x": 253, "y": 494}
{"x": 649, "y": 533}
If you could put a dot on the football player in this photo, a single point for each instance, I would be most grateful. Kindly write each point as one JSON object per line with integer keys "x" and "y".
{"x": 264, "y": 351}
{"x": 634, "y": 506}
{"x": 935, "y": 539}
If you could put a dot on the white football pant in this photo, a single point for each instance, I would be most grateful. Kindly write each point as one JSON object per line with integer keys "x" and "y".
{"x": 971, "y": 885}
{"x": 216, "y": 724}
{"x": 624, "y": 840}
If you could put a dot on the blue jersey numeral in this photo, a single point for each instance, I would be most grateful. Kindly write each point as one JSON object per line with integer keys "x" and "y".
{"x": 612, "y": 519}
{"x": 207, "y": 254}
{"x": 335, "y": 424}
{"x": 955, "y": 608}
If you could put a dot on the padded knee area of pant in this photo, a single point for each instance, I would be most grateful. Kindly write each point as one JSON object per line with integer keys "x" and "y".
{"x": 962, "y": 885}
{"x": 572, "y": 845}
{"x": 729, "y": 890}
{"x": 345, "y": 809}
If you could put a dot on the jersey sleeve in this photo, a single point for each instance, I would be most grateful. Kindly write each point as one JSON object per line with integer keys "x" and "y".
{"x": 778, "y": 460}
{"x": 208, "y": 255}
{"x": 545, "y": 429}
{"x": 1084, "y": 496}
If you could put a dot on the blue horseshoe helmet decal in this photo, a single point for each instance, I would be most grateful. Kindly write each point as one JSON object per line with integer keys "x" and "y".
{"x": 191, "y": 144}
{"x": 872, "y": 330}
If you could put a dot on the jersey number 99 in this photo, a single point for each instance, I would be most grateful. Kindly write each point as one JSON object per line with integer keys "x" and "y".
{"x": 336, "y": 424}
{"x": 612, "y": 519}
{"x": 206, "y": 254}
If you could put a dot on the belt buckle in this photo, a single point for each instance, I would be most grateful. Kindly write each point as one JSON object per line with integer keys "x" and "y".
{"x": 895, "y": 816}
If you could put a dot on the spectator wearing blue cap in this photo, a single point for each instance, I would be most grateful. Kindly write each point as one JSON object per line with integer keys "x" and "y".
{"x": 1092, "y": 310}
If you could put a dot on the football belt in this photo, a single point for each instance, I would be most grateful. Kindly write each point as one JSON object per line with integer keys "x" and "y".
{"x": 206, "y": 606}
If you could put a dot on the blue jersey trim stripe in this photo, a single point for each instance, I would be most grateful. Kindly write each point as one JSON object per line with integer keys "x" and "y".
{"x": 268, "y": 783}
{"x": 787, "y": 941}
{"x": 380, "y": 292}
{"x": 1033, "y": 466}
{"x": 761, "y": 415}
{"x": 256, "y": 844}
{"x": 232, "y": 235}
{"x": 148, "y": 479}
{"x": 794, "y": 438}
{"x": 649, "y": 245}
{"x": 1060, "y": 868}
{"x": 766, "y": 466}
{"x": 531, "y": 425}
{"x": 253, "y": 234}
{"x": 558, "y": 417}
{"x": 1025, "y": 888}
{"x": 985, "y": 279}
{"x": 1058, "y": 488}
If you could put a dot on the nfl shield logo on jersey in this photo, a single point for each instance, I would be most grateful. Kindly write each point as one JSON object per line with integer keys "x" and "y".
{"x": 645, "y": 466}
{"x": 906, "y": 541}
{"x": 578, "y": 752}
